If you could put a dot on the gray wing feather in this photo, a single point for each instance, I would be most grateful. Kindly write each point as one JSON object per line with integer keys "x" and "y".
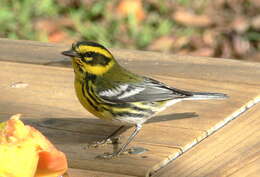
{"x": 149, "y": 90}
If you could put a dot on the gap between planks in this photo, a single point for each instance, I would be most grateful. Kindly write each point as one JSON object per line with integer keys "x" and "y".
{"x": 214, "y": 129}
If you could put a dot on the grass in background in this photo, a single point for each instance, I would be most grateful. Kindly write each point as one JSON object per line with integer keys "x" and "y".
{"x": 181, "y": 26}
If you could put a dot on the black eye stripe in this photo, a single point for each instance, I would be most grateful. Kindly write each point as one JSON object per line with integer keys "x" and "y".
{"x": 97, "y": 58}
{"x": 88, "y": 54}
{"x": 94, "y": 55}
{"x": 91, "y": 54}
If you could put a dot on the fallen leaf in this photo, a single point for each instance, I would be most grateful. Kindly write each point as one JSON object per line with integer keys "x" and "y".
{"x": 161, "y": 44}
{"x": 46, "y": 25}
{"x": 52, "y": 25}
{"x": 190, "y": 19}
{"x": 134, "y": 7}
{"x": 58, "y": 36}
{"x": 240, "y": 24}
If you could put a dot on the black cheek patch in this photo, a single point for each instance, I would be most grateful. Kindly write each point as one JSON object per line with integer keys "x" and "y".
{"x": 99, "y": 59}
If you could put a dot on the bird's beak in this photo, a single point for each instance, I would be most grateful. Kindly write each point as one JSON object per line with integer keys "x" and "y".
{"x": 70, "y": 53}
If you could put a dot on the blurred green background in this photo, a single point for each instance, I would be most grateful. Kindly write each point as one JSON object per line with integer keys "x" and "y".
{"x": 219, "y": 28}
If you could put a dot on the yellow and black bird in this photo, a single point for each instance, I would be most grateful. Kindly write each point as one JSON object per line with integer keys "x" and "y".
{"x": 113, "y": 93}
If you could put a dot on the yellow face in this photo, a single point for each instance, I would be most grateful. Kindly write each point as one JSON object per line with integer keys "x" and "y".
{"x": 90, "y": 57}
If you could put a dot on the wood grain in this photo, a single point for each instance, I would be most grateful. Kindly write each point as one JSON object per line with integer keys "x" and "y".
{"x": 48, "y": 102}
{"x": 88, "y": 173}
{"x": 232, "y": 151}
{"x": 166, "y": 64}
{"x": 44, "y": 94}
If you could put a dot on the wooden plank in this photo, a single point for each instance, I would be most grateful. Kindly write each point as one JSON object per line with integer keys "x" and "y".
{"x": 232, "y": 151}
{"x": 89, "y": 173}
{"x": 179, "y": 66}
{"x": 248, "y": 170}
{"x": 45, "y": 84}
{"x": 48, "y": 102}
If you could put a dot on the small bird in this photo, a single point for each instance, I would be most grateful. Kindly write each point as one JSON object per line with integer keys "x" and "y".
{"x": 112, "y": 93}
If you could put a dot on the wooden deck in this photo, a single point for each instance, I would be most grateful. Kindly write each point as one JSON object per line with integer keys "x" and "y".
{"x": 192, "y": 138}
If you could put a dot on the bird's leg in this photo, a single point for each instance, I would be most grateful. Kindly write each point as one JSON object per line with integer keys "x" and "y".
{"x": 122, "y": 149}
{"x": 112, "y": 138}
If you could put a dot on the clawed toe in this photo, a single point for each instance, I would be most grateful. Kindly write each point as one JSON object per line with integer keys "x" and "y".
{"x": 100, "y": 143}
{"x": 103, "y": 143}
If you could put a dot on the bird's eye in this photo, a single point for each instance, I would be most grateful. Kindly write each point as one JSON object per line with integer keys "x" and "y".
{"x": 87, "y": 54}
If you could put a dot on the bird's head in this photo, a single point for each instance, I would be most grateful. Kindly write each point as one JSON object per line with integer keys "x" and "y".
{"x": 90, "y": 57}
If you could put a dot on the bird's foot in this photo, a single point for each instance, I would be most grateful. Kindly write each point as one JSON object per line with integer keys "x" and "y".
{"x": 99, "y": 143}
{"x": 134, "y": 150}
{"x": 103, "y": 142}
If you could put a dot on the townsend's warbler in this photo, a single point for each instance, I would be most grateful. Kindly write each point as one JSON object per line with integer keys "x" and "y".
{"x": 113, "y": 93}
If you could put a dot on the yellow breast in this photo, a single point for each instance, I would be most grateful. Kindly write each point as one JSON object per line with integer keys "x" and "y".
{"x": 89, "y": 102}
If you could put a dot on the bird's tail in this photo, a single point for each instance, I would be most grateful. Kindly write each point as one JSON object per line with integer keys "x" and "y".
{"x": 206, "y": 96}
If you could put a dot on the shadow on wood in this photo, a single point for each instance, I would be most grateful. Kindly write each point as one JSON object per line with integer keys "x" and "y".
{"x": 86, "y": 131}
{"x": 176, "y": 116}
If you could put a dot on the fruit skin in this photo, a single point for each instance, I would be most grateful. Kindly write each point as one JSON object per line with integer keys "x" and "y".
{"x": 25, "y": 152}
{"x": 51, "y": 164}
